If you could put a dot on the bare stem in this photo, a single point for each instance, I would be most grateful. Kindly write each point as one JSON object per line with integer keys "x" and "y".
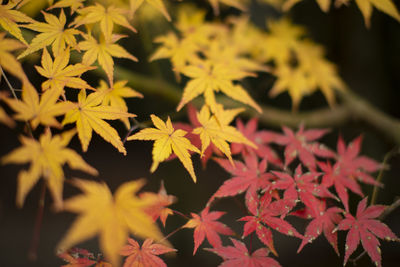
{"x": 387, "y": 157}
{"x": 32, "y": 254}
{"x": 181, "y": 214}
{"x": 171, "y": 234}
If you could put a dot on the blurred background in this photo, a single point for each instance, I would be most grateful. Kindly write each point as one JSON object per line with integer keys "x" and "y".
{"x": 368, "y": 61}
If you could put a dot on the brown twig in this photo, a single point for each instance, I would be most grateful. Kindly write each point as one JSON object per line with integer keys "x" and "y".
{"x": 32, "y": 254}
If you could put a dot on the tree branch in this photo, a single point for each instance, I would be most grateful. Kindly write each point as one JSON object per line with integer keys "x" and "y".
{"x": 352, "y": 108}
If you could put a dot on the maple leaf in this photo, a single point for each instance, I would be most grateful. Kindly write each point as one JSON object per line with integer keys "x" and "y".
{"x": 167, "y": 139}
{"x": 7, "y": 60}
{"x": 363, "y": 226}
{"x": 386, "y": 6}
{"x": 10, "y": 17}
{"x": 89, "y": 115}
{"x": 114, "y": 96}
{"x": 158, "y": 4}
{"x": 206, "y": 226}
{"x": 4, "y": 118}
{"x": 103, "y": 52}
{"x": 302, "y": 144}
{"x": 207, "y": 78}
{"x": 111, "y": 217}
{"x": 180, "y": 51}
{"x": 260, "y": 138}
{"x": 106, "y": 16}
{"x": 74, "y": 5}
{"x": 320, "y": 72}
{"x": 303, "y": 186}
{"x": 218, "y": 131}
{"x": 248, "y": 177}
{"x": 59, "y": 73}
{"x": 234, "y": 3}
{"x": 51, "y": 33}
{"x": 238, "y": 255}
{"x": 47, "y": 156}
{"x": 266, "y": 214}
{"x": 39, "y": 112}
{"x": 356, "y": 166}
{"x": 334, "y": 175}
{"x": 75, "y": 261}
{"x": 159, "y": 209}
{"x": 324, "y": 220}
{"x": 145, "y": 255}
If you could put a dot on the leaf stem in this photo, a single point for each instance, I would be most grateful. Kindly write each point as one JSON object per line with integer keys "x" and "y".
{"x": 171, "y": 234}
{"x": 387, "y": 157}
{"x": 181, "y": 214}
{"x": 32, "y": 254}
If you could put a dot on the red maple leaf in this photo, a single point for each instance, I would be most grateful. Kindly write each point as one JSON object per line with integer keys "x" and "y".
{"x": 266, "y": 215}
{"x": 351, "y": 164}
{"x": 206, "y": 225}
{"x": 336, "y": 176}
{"x": 75, "y": 261}
{"x": 324, "y": 220}
{"x": 238, "y": 255}
{"x": 260, "y": 138}
{"x": 364, "y": 227}
{"x": 302, "y": 144}
{"x": 145, "y": 255}
{"x": 303, "y": 186}
{"x": 248, "y": 177}
{"x": 159, "y": 209}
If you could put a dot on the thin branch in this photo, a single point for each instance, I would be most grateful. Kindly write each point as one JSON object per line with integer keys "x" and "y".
{"x": 32, "y": 254}
{"x": 387, "y": 157}
{"x": 352, "y": 108}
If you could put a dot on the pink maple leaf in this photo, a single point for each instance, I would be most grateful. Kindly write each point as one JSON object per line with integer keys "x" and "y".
{"x": 302, "y": 144}
{"x": 366, "y": 228}
{"x": 248, "y": 176}
{"x": 303, "y": 186}
{"x": 266, "y": 215}
{"x": 147, "y": 255}
{"x": 207, "y": 226}
{"x": 351, "y": 164}
{"x": 238, "y": 255}
{"x": 324, "y": 221}
{"x": 260, "y": 138}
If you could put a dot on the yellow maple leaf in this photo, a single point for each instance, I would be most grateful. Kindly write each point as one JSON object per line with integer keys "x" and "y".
{"x": 167, "y": 140}
{"x": 106, "y": 16}
{"x": 89, "y": 115}
{"x": 9, "y": 18}
{"x": 7, "y": 60}
{"x": 158, "y": 4}
{"x": 103, "y": 52}
{"x": 5, "y": 119}
{"x": 282, "y": 38}
{"x": 386, "y": 6}
{"x": 112, "y": 218}
{"x": 51, "y": 33}
{"x": 320, "y": 72}
{"x": 114, "y": 96}
{"x": 216, "y": 129}
{"x": 179, "y": 51}
{"x": 39, "y": 112}
{"x": 207, "y": 78}
{"x": 74, "y": 5}
{"x": 60, "y": 73}
{"x": 234, "y": 3}
{"x": 47, "y": 156}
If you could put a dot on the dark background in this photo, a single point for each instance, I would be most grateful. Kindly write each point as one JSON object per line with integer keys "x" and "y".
{"x": 368, "y": 61}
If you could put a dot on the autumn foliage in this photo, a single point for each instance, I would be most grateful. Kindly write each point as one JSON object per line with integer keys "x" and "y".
{"x": 281, "y": 174}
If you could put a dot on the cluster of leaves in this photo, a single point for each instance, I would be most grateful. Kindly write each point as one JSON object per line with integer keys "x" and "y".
{"x": 212, "y": 57}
